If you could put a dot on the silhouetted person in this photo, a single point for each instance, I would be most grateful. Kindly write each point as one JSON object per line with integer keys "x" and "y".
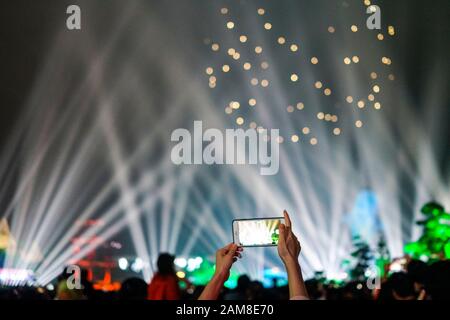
{"x": 241, "y": 290}
{"x": 133, "y": 289}
{"x": 164, "y": 285}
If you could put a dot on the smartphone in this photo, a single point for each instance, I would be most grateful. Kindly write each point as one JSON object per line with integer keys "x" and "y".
{"x": 258, "y": 232}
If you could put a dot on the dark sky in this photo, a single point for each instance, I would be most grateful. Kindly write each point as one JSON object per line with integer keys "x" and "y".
{"x": 27, "y": 28}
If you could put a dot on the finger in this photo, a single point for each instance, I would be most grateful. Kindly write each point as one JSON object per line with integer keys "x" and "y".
{"x": 240, "y": 249}
{"x": 282, "y": 231}
{"x": 226, "y": 249}
{"x": 232, "y": 249}
{"x": 287, "y": 219}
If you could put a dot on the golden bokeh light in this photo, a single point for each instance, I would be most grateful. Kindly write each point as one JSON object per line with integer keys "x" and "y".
{"x": 290, "y": 109}
{"x": 247, "y": 66}
{"x": 267, "y": 26}
{"x": 294, "y": 138}
{"x": 306, "y": 130}
{"x": 334, "y": 118}
{"x": 281, "y": 40}
{"x": 224, "y": 10}
{"x": 258, "y": 49}
{"x": 355, "y": 59}
{"x": 264, "y": 65}
{"x": 354, "y": 28}
{"x": 314, "y": 60}
{"x": 376, "y": 88}
{"x": 231, "y": 51}
{"x": 371, "y": 97}
{"x": 391, "y": 30}
{"x": 264, "y": 83}
{"x": 294, "y": 48}
{"x": 294, "y": 77}
{"x": 235, "y": 105}
{"x": 209, "y": 71}
{"x": 313, "y": 141}
{"x": 243, "y": 38}
{"x": 320, "y": 115}
{"x": 252, "y": 125}
{"x": 318, "y": 84}
{"x": 349, "y": 99}
{"x": 331, "y": 29}
{"x": 261, "y": 11}
{"x": 347, "y": 60}
{"x": 358, "y": 123}
{"x": 215, "y": 47}
{"x": 280, "y": 139}
{"x": 225, "y": 68}
{"x": 300, "y": 106}
{"x": 373, "y": 75}
{"x": 336, "y": 131}
{"x": 327, "y": 91}
{"x": 228, "y": 110}
{"x": 380, "y": 36}
{"x": 254, "y": 81}
{"x": 391, "y": 77}
{"x": 377, "y": 105}
{"x": 252, "y": 102}
{"x": 240, "y": 121}
{"x": 361, "y": 104}
{"x": 230, "y": 24}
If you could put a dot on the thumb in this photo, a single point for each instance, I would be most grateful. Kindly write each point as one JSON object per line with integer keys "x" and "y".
{"x": 232, "y": 250}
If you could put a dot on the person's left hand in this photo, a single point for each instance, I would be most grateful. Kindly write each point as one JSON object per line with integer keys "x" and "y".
{"x": 225, "y": 258}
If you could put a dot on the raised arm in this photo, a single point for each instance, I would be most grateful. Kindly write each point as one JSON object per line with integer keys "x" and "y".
{"x": 225, "y": 258}
{"x": 289, "y": 249}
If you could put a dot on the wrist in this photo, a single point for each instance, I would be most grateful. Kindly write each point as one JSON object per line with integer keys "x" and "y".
{"x": 220, "y": 277}
{"x": 291, "y": 264}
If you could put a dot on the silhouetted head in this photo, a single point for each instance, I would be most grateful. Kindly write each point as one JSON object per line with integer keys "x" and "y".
{"x": 133, "y": 289}
{"x": 243, "y": 283}
{"x": 417, "y": 270}
{"x": 437, "y": 280}
{"x": 402, "y": 286}
{"x": 165, "y": 264}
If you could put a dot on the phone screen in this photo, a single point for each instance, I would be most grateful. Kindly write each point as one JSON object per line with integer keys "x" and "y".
{"x": 256, "y": 232}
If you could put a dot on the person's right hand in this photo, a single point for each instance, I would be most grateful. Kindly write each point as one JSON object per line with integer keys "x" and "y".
{"x": 288, "y": 244}
{"x": 225, "y": 258}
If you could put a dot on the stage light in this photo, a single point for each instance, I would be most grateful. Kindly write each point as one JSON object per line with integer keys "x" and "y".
{"x": 123, "y": 263}
{"x": 180, "y": 262}
{"x": 138, "y": 265}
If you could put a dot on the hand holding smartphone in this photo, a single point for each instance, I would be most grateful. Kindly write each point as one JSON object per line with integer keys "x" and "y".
{"x": 260, "y": 232}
